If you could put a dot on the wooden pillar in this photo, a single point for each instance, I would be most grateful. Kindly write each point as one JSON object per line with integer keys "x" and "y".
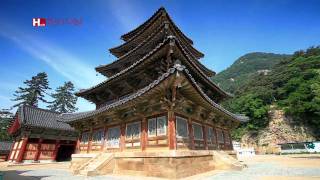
{"x": 56, "y": 148}
{"x": 144, "y": 134}
{"x": 77, "y": 150}
{"x": 172, "y": 131}
{"x": 15, "y": 148}
{"x": 191, "y": 136}
{"x": 216, "y": 135}
{"x": 37, "y": 155}
{"x": 22, "y": 149}
{"x": 231, "y": 145}
{"x": 104, "y": 138}
{"x": 224, "y": 140}
{"x": 11, "y": 151}
{"x": 204, "y": 130}
{"x": 78, "y": 142}
{"x": 90, "y": 141}
{"x": 122, "y": 136}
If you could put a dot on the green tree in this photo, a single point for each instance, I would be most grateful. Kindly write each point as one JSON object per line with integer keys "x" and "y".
{"x": 64, "y": 99}
{"x": 34, "y": 91}
{"x": 5, "y": 120}
{"x": 293, "y": 85}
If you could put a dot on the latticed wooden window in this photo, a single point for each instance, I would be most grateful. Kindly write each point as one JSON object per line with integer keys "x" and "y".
{"x": 85, "y": 138}
{"x": 133, "y": 130}
{"x": 220, "y": 136}
{"x": 161, "y": 125}
{"x": 113, "y": 137}
{"x": 211, "y": 137}
{"x": 181, "y": 127}
{"x": 157, "y": 126}
{"x": 197, "y": 131}
{"x": 152, "y": 127}
{"x": 226, "y": 137}
{"x": 97, "y": 136}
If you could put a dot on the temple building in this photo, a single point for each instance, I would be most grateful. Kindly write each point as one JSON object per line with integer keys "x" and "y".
{"x": 157, "y": 111}
{"x": 40, "y": 137}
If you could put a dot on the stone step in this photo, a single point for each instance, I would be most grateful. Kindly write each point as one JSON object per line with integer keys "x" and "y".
{"x": 91, "y": 166}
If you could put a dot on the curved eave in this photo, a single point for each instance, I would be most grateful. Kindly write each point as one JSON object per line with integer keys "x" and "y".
{"x": 146, "y": 24}
{"x": 107, "y": 69}
{"x": 119, "y": 50}
{"x": 68, "y": 118}
{"x": 204, "y": 76}
{"x": 86, "y": 91}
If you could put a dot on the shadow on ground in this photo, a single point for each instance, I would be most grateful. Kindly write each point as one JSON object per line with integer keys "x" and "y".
{"x": 18, "y": 175}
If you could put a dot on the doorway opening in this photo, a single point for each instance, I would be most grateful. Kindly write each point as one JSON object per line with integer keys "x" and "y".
{"x": 65, "y": 152}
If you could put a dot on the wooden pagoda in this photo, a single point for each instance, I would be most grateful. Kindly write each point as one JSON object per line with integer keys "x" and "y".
{"x": 157, "y": 97}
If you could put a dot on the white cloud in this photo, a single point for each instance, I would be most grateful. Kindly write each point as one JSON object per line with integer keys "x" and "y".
{"x": 68, "y": 65}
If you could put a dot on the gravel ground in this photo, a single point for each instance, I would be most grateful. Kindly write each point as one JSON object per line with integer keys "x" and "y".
{"x": 257, "y": 171}
{"x": 253, "y": 172}
{"x": 260, "y": 167}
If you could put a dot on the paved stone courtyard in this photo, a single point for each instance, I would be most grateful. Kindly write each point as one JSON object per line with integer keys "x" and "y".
{"x": 260, "y": 167}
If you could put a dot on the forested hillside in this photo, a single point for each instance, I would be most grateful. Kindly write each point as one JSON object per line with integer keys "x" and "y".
{"x": 292, "y": 85}
{"x": 245, "y": 68}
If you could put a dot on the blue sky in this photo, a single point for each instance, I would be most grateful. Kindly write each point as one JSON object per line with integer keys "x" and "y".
{"x": 222, "y": 30}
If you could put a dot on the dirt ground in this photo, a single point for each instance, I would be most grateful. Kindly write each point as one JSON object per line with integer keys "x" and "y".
{"x": 265, "y": 167}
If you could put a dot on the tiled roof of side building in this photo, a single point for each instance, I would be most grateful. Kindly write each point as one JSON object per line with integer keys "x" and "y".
{"x": 69, "y": 117}
{"x": 37, "y": 117}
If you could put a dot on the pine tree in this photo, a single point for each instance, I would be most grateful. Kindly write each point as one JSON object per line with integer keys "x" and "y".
{"x": 34, "y": 91}
{"x": 64, "y": 99}
{"x": 6, "y": 118}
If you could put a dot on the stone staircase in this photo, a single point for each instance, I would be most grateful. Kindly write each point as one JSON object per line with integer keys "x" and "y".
{"x": 102, "y": 163}
{"x": 224, "y": 160}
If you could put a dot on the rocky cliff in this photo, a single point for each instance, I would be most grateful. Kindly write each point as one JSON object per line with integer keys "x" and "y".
{"x": 281, "y": 129}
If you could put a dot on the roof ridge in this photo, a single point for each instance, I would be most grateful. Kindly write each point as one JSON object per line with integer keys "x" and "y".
{"x": 134, "y": 49}
{"x": 68, "y": 117}
{"x": 147, "y": 22}
{"x": 131, "y": 66}
{"x": 40, "y": 109}
{"x": 151, "y": 52}
{"x": 144, "y": 23}
{"x": 130, "y": 97}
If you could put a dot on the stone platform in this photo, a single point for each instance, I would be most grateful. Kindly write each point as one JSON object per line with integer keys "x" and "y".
{"x": 167, "y": 164}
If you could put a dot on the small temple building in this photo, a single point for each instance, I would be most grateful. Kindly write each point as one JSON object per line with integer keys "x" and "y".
{"x": 5, "y": 147}
{"x": 157, "y": 113}
{"x": 40, "y": 137}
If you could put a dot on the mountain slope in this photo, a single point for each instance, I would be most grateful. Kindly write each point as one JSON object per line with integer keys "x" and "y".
{"x": 244, "y": 68}
{"x": 292, "y": 86}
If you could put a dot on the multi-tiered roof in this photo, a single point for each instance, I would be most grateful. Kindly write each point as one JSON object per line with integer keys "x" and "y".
{"x": 151, "y": 52}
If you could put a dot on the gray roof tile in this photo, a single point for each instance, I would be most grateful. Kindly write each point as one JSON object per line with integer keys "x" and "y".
{"x": 36, "y": 117}
{"x": 69, "y": 117}
{"x": 5, "y": 146}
